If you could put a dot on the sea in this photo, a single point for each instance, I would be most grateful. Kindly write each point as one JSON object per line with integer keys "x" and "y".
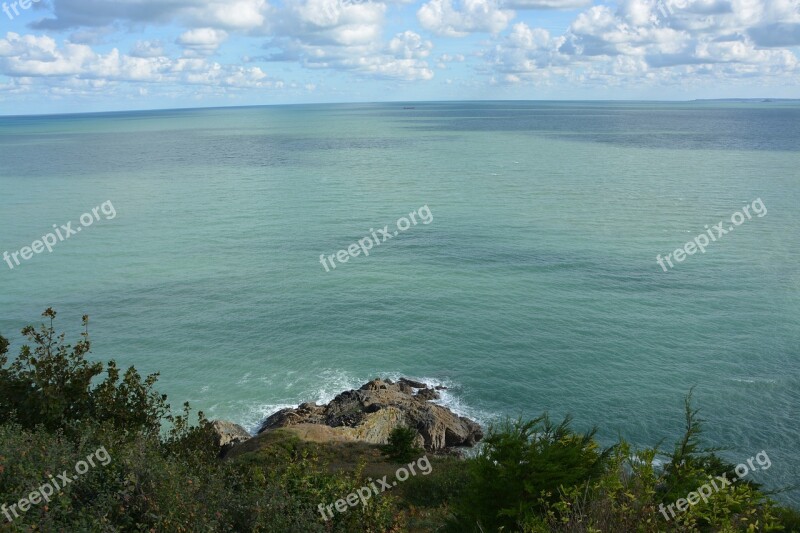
{"x": 533, "y": 286}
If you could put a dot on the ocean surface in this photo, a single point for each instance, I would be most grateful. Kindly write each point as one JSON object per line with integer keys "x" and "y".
{"x": 534, "y": 288}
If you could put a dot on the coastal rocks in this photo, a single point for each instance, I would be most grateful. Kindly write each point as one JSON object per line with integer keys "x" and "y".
{"x": 427, "y": 394}
{"x": 370, "y": 413}
{"x": 226, "y": 435}
{"x": 415, "y": 384}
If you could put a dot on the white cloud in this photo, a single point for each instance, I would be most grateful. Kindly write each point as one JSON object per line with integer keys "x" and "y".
{"x": 147, "y": 49}
{"x": 546, "y": 4}
{"x": 332, "y": 23}
{"x": 235, "y": 15}
{"x": 526, "y": 53}
{"x": 403, "y": 58}
{"x": 684, "y": 32}
{"x": 348, "y": 36}
{"x": 468, "y": 16}
{"x": 202, "y": 41}
{"x": 409, "y": 45}
{"x": 31, "y": 56}
{"x": 653, "y": 43}
{"x": 650, "y": 42}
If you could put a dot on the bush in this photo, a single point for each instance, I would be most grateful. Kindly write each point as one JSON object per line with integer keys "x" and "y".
{"x": 524, "y": 466}
{"x": 164, "y": 474}
{"x": 630, "y": 494}
{"x": 51, "y": 385}
{"x": 441, "y": 487}
{"x": 401, "y": 447}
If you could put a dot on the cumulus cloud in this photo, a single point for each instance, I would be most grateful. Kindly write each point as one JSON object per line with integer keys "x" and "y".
{"x": 409, "y": 45}
{"x": 526, "y": 53}
{"x": 237, "y": 14}
{"x": 678, "y": 32}
{"x": 608, "y": 43}
{"x": 202, "y": 41}
{"x": 337, "y": 34}
{"x": 403, "y": 57}
{"x": 459, "y": 18}
{"x": 348, "y": 36}
{"x": 147, "y": 49}
{"x": 443, "y": 17}
{"x": 333, "y": 23}
{"x": 654, "y": 42}
{"x": 546, "y": 4}
{"x": 31, "y": 56}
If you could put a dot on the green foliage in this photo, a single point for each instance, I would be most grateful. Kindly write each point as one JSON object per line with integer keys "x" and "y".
{"x": 51, "y": 385}
{"x": 690, "y": 463}
{"x": 401, "y": 447}
{"x": 48, "y": 384}
{"x": 621, "y": 499}
{"x": 442, "y": 486}
{"x": 789, "y": 519}
{"x": 737, "y": 507}
{"x": 164, "y": 475}
{"x": 525, "y": 465}
{"x": 57, "y": 408}
{"x": 631, "y": 493}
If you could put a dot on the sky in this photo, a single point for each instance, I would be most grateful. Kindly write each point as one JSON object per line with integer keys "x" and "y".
{"x": 62, "y": 56}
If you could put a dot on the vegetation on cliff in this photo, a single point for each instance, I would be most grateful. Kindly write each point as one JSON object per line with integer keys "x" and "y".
{"x": 166, "y": 473}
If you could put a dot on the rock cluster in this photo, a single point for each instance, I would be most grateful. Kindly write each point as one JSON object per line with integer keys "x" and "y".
{"x": 370, "y": 413}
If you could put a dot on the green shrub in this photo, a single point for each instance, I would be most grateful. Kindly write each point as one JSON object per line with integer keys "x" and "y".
{"x": 56, "y": 408}
{"x": 401, "y": 447}
{"x": 524, "y": 466}
{"x": 51, "y": 385}
{"x": 164, "y": 474}
{"x": 629, "y": 495}
{"x": 442, "y": 486}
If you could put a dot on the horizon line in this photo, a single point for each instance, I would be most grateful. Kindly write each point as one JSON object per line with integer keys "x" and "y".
{"x": 198, "y": 108}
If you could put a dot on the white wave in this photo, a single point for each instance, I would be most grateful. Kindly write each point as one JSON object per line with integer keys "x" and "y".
{"x": 327, "y": 384}
{"x": 753, "y": 380}
{"x": 251, "y": 420}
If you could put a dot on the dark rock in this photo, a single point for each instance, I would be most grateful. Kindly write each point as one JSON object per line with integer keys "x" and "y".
{"x": 412, "y": 383}
{"x": 371, "y": 413}
{"x": 427, "y": 394}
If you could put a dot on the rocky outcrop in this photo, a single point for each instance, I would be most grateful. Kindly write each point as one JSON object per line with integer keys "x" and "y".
{"x": 226, "y": 435}
{"x": 370, "y": 414}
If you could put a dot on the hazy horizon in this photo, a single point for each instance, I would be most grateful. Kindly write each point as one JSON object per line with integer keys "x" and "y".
{"x": 757, "y": 99}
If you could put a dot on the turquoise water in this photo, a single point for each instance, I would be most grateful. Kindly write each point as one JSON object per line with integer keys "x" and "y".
{"x": 534, "y": 288}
